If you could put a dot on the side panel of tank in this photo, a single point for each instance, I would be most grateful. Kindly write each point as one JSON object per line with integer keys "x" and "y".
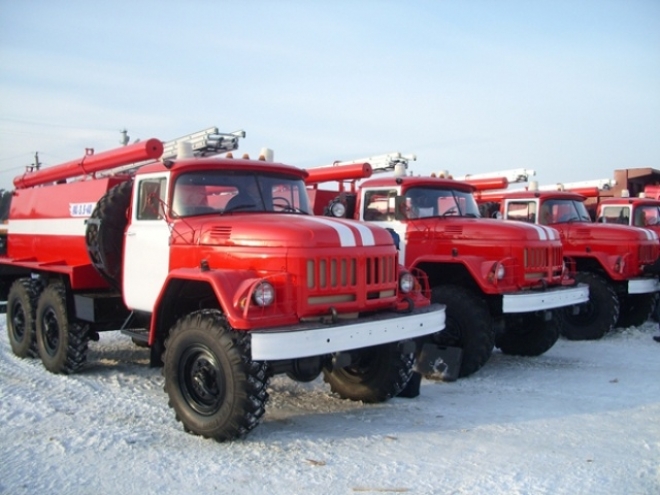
{"x": 47, "y": 224}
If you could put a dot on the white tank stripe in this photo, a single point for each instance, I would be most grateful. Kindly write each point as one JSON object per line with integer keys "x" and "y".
{"x": 54, "y": 226}
{"x": 346, "y": 237}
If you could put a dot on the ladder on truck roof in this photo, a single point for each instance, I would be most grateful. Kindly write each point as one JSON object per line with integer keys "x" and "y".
{"x": 513, "y": 175}
{"x": 387, "y": 162}
{"x": 207, "y": 142}
{"x": 518, "y": 175}
{"x": 602, "y": 184}
{"x": 352, "y": 171}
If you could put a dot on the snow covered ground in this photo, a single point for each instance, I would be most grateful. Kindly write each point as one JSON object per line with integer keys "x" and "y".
{"x": 582, "y": 419}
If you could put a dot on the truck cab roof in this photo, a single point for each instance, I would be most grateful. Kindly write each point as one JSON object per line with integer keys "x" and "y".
{"x": 419, "y": 182}
{"x": 215, "y": 163}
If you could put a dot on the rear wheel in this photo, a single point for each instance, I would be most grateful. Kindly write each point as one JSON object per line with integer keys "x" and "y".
{"x": 595, "y": 317}
{"x": 468, "y": 325}
{"x": 215, "y": 388}
{"x": 527, "y": 334}
{"x": 62, "y": 345}
{"x": 21, "y": 308}
{"x": 377, "y": 373}
{"x": 636, "y": 309}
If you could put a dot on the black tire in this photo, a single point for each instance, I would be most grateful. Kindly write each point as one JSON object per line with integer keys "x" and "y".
{"x": 378, "y": 373}
{"x": 527, "y": 334}
{"x": 62, "y": 344}
{"x": 21, "y": 309}
{"x": 468, "y": 325}
{"x": 104, "y": 235}
{"x": 636, "y": 309}
{"x": 596, "y": 316}
{"x": 214, "y": 387}
{"x": 655, "y": 314}
{"x": 139, "y": 343}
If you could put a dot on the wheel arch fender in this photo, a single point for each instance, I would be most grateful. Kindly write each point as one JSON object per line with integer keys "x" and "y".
{"x": 442, "y": 272}
{"x": 186, "y": 290}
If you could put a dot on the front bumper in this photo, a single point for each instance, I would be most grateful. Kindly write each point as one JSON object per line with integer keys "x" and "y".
{"x": 643, "y": 285}
{"x": 314, "y": 339}
{"x": 525, "y": 302}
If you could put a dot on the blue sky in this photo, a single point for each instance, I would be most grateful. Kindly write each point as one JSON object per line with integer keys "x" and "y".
{"x": 568, "y": 88}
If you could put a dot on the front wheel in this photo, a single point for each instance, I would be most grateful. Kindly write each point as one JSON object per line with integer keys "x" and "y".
{"x": 377, "y": 373}
{"x": 595, "y": 317}
{"x": 636, "y": 309}
{"x": 527, "y": 334}
{"x": 62, "y": 345}
{"x": 214, "y": 387}
{"x": 468, "y": 325}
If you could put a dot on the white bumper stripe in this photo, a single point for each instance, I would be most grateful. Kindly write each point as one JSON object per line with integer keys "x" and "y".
{"x": 318, "y": 339}
{"x": 643, "y": 285}
{"x": 526, "y": 302}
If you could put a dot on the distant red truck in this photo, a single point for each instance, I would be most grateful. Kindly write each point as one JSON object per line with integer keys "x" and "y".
{"x": 502, "y": 283}
{"x": 609, "y": 258}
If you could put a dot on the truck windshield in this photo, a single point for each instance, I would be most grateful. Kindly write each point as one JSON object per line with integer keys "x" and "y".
{"x": 563, "y": 211}
{"x": 214, "y": 192}
{"x": 423, "y": 202}
{"x": 646, "y": 216}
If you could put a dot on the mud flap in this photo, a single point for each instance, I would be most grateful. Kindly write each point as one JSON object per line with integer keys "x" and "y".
{"x": 436, "y": 363}
{"x": 439, "y": 362}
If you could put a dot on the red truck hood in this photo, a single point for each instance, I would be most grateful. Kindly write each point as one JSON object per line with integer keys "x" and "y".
{"x": 577, "y": 231}
{"x": 278, "y": 230}
{"x": 486, "y": 228}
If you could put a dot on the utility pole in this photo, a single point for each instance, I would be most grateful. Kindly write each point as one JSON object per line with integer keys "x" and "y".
{"x": 37, "y": 163}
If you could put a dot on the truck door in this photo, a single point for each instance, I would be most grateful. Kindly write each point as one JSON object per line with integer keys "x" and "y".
{"x": 378, "y": 206}
{"x": 146, "y": 246}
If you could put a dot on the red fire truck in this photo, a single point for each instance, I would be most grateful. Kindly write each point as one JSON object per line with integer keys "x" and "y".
{"x": 609, "y": 258}
{"x": 501, "y": 283}
{"x": 631, "y": 198}
{"x": 217, "y": 265}
{"x": 639, "y": 212}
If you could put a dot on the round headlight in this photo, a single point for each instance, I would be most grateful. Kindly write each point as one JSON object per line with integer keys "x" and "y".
{"x": 264, "y": 294}
{"x": 500, "y": 272}
{"x": 406, "y": 282}
{"x": 338, "y": 209}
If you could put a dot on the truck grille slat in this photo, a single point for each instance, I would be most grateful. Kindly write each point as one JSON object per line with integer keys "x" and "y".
{"x": 543, "y": 259}
{"x": 647, "y": 253}
{"x": 334, "y": 273}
